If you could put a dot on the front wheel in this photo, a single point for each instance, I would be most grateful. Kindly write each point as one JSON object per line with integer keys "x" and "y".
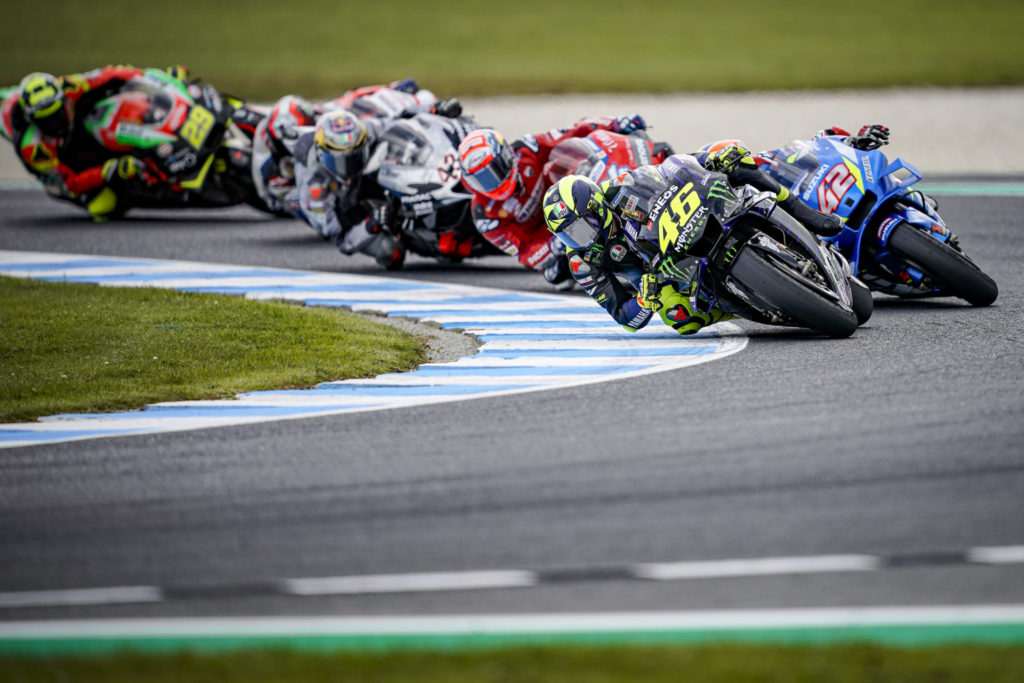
{"x": 771, "y": 283}
{"x": 951, "y": 270}
{"x": 863, "y": 304}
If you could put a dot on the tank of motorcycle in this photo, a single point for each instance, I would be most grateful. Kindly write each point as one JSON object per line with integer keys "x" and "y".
{"x": 573, "y": 156}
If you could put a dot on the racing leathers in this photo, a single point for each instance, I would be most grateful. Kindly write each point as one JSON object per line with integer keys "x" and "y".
{"x": 614, "y": 274}
{"x": 273, "y": 166}
{"x": 352, "y": 211}
{"x": 70, "y": 166}
{"x": 516, "y": 225}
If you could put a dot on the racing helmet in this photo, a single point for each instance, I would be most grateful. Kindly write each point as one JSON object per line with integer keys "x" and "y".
{"x": 577, "y": 212}
{"x": 287, "y": 116}
{"x": 41, "y": 97}
{"x": 719, "y": 145}
{"x": 340, "y": 139}
{"x": 488, "y": 164}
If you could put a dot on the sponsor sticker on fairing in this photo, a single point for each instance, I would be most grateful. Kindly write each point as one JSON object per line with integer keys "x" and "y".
{"x": 643, "y": 156}
{"x": 867, "y": 169}
{"x": 885, "y": 228}
{"x": 814, "y": 182}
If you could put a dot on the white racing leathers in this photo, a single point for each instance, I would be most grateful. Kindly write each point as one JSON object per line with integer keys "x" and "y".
{"x": 276, "y": 178}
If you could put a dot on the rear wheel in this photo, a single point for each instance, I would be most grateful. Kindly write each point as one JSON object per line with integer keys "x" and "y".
{"x": 773, "y": 284}
{"x": 951, "y": 270}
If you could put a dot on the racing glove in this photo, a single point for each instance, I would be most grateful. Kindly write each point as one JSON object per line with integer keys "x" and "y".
{"x": 870, "y": 137}
{"x": 629, "y": 124}
{"x": 379, "y": 216}
{"x": 179, "y": 72}
{"x": 649, "y": 296}
{"x": 450, "y": 108}
{"x": 726, "y": 159}
{"x": 408, "y": 85}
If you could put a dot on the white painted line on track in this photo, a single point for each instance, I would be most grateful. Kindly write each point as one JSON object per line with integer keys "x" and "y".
{"x": 116, "y": 595}
{"x": 530, "y": 342}
{"x": 676, "y": 571}
{"x": 583, "y": 622}
{"x": 512, "y": 578}
{"x": 1010, "y": 554}
{"x": 408, "y": 583}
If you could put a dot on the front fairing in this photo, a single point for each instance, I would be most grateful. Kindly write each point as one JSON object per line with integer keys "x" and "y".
{"x": 419, "y": 163}
{"x": 833, "y": 177}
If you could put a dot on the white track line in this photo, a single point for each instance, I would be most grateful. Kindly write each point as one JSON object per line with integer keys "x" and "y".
{"x": 1010, "y": 554}
{"x": 81, "y": 596}
{"x": 408, "y": 583}
{"x": 512, "y": 578}
{"x": 481, "y": 624}
{"x": 675, "y": 571}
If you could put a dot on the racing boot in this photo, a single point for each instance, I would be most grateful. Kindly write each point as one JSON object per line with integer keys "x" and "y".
{"x": 745, "y": 172}
{"x": 387, "y": 251}
{"x": 821, "y": 224}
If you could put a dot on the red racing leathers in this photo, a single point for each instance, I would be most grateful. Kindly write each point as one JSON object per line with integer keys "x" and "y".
{"x": 68, "y": 166}
{"x": 516, "y": 225}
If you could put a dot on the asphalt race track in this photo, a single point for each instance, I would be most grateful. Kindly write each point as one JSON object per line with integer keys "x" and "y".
{"x": 889, "y": 462}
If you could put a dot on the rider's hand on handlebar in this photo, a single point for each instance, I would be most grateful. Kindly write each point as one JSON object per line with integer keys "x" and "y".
{"x": 725, "y": 159}
{"x": 450, "y": 108}
{"x": 629, "y": 124}
{"x": 870, "y": 137}
{"x": 650, "y": 289}
{"x": 379, "y": 216}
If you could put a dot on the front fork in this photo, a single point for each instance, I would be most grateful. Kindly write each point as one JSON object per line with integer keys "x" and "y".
{"x": 923, "y": 218}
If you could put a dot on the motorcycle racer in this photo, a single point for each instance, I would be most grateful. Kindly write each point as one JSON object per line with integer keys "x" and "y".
{"x": 42, "y": 119}
{"x": 594, "y": 223}
{"x": 274, "y": 138}
{"x": 337, "y": 192}
{"x": 39, "y": 116}
{"x": 506, "y": 182}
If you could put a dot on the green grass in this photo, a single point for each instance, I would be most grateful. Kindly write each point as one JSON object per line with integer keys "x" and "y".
{"x": 706, "y": 663}
{"x": 84, "y": 348}
{"x": 263, "y": 49}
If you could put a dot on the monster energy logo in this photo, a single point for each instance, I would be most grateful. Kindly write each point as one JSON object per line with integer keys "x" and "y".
{"x": 720, "y": 190}
{"x": 730, "y": 254}
{"x": 679, "y": 271}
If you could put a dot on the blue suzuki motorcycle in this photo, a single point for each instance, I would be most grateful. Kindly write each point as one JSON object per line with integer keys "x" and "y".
{"x": 894, "y": 239}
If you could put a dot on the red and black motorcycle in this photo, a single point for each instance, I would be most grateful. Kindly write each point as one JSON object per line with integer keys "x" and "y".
{"x": 603, "y": 155}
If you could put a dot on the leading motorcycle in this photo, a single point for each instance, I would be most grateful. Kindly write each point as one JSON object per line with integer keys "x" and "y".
{"x": 894, "y": 238}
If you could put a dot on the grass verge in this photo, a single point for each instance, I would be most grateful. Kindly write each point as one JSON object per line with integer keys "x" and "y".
{"x": 85, "y": 348}
{"x": 263, "y": 49}
{"x": 852, "y": 663}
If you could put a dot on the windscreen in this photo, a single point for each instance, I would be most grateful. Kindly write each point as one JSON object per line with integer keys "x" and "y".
{"x": 406, "y": 146}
